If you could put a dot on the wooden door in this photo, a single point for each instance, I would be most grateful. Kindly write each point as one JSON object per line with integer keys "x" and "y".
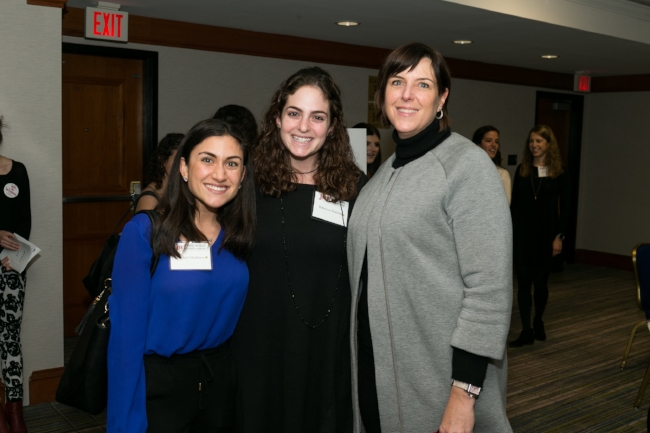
{"x": 562, "y": 112}
{"x": 102, "y": 155}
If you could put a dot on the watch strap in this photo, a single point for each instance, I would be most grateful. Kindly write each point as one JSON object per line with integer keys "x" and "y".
{"x": 471, "y": 390}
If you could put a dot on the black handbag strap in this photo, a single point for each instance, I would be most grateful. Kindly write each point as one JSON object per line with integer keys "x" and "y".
{"x": 153, "y": 216}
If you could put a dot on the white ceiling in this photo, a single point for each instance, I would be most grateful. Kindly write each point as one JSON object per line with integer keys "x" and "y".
{"x": 498, "y": 38}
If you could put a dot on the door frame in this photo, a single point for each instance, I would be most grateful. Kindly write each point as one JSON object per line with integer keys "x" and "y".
{"x": 149, "y": 88}
{"x": 575, "y": 146}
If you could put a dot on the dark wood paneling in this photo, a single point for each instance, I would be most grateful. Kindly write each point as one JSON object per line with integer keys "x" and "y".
{"x": 178, "y": 34}
{"x": 608, "y": 260}
{"x": 43, "y": 384}
{"x": 50, "y": 3}
{"x": 621, "y": 83}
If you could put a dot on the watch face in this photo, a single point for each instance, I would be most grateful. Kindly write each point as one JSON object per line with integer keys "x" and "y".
{"x": 474, "y": 389}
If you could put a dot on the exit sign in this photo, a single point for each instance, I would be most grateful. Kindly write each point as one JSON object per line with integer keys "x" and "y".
{"x": 107, "y": 24}
{"x": 581, "y": 83}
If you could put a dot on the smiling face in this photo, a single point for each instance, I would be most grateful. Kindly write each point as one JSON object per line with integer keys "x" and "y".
{"x": 412, "y": 100}
{"x": 490, "y": 143}
{"x": 372, "y": 148}
{"x": 304, "y": 124}
{"x": 538, "y": 147}
{"x": 214, "y": 171}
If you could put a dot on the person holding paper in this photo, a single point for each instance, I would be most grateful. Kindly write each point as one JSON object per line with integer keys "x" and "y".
{"x": 169, "y": 362}
{"x": 540, "y": 212}
{"x": 373, "y": 149}
{"x": 15, "y": 218}
{"x": 431, "y": 314}
{"x": 290, "y": 345}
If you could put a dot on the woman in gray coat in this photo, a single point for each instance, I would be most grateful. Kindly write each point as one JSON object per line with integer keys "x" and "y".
{"x": 430, "y": 259}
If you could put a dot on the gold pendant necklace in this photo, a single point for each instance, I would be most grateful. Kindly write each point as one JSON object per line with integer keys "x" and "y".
{"x": 533, "y": 185}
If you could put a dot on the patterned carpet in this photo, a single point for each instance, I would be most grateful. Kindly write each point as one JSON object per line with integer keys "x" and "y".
{"x": 570, "y": 383}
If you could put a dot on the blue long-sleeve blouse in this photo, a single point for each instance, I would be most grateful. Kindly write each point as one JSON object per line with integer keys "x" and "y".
{"x": 171, "y": 312}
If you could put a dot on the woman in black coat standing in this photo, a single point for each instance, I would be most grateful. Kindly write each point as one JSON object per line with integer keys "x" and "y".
{"x": 540, "y": 206}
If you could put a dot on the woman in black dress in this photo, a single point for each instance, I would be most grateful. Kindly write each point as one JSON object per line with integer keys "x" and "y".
{"x": 540, "y": 206}
{"x": 291, "y": 344}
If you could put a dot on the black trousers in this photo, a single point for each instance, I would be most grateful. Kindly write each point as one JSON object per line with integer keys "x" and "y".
{"x": 191, "y": 393}
{"x": 526, "y": 277}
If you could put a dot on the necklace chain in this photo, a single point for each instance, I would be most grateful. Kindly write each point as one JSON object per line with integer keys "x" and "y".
{"x": 533, "y": 185}
{"x": 306, "y": 172}
{"x": 338, "y": 279}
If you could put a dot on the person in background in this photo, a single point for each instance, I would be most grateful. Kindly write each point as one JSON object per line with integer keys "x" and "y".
{"x": 540, "y": 212}
{"x": 15, "y": 217}
{"x": 158, "y": 169}
{"x": 239, "y": 117}
{"x": 169, "y": 363}
{"x": 433, "y": 314}
{"x": 290, "y": 345}
{"x": 373, "y": 150}
{"x": 487, "y": 138}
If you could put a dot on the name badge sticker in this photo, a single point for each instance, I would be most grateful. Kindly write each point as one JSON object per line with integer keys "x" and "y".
{"x": 11, "y": 190}
{"x": 542, "y": 171}
{"x": 195, "y": 256}
{"x": 335, "y": 213}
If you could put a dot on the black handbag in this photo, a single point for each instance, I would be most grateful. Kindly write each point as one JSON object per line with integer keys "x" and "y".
{"x": 84, "y": 384}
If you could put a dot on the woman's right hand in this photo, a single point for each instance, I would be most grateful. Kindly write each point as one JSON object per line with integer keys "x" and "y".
{"x": 8, "y": 241}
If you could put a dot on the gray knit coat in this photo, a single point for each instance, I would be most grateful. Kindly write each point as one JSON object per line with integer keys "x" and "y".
{"x": 438, "y": 236}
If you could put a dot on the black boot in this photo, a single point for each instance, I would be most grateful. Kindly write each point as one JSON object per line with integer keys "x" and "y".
{"x": 527, "y": 336}
{"x": 538, "y": 329}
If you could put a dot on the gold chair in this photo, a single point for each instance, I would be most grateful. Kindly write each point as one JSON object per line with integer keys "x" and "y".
{"x": 641, "y": 262}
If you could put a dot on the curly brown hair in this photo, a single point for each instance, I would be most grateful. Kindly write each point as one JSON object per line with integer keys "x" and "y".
{"x": 156, "y": 167}
{"x": 337, "y": 173}
{"x": 553, "y": 160}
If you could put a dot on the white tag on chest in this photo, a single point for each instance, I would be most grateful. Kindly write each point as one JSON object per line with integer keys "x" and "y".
{"x": 11, "y": 190}
{"x": 195, "y": 256}
{"x": 542, "y": 171}
{"x": 335, "y": 213}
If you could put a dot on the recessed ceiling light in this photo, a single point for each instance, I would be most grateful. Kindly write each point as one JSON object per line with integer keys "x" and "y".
{"x": 549, "y": 56}
{"x": 462, "y": 42}
{"x": 348, "y": 23}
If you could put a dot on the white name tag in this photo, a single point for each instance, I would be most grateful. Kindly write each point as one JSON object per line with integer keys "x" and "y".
{"x": 335, "y": 213}
{"x": 195, "y": 256}
{"x": 542, "y": 171}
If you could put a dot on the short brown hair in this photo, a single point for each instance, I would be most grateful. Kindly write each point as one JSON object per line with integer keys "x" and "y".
{"x": 407, "y": 57}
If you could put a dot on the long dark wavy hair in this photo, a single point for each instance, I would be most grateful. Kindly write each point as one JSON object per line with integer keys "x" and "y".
{"x": 156, "y": 168}
{"x": 337, "y": 173}
{"x": 406, "y": 58}
{"x": 478, "y": 137}
{"x": 552, "y": 159}
{"x": 371, "y": 130}
{"x": 178, "y": 205}
{"x": 2, "y": 125}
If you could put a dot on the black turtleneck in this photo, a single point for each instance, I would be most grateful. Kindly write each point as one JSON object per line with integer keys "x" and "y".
{"x": 410, "y": 149}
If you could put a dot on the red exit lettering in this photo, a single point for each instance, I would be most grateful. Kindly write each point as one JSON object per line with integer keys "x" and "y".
{"x": 110, "y": 23}
{"x": 584, "y": 83}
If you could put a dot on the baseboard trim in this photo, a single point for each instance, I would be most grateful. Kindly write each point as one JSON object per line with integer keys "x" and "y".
{"x": 43, "y": 384}
{"x": 607, "y": 260}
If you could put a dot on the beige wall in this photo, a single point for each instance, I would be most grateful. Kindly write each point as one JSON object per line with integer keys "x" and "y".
{"x": 614, "y": 208}
{"x": 30, "y": 101}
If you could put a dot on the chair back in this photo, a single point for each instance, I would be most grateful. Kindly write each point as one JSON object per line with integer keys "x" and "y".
{"x": 641, "y": 262}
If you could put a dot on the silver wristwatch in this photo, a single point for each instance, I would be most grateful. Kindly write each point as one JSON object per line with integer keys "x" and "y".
{"x": 471, "y": 390}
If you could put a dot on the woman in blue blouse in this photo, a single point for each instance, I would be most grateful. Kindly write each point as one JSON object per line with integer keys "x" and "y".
{"x": 169, "y": 366}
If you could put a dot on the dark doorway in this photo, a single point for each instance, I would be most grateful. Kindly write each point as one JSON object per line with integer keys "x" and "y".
{"x": 109, "y": 115}
{"x": 562, "y": 112}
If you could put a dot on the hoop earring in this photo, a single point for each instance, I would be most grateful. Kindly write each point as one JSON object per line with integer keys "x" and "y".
{"x": 442, "y": 114}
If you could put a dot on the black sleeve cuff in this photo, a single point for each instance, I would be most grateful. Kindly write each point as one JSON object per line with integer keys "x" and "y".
{"x": 468, "y": 367}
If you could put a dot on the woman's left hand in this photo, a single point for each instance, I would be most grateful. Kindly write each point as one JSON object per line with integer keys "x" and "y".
{"x": 6, "y": 264}
{"x": 557, "y": 246}
{"x": 459, "y": 413}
